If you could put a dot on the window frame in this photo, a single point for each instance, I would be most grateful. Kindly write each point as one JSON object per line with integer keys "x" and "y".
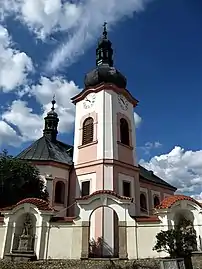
{"x": 88, "y": 131}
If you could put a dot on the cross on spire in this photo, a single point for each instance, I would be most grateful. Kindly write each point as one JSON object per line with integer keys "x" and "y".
{"x": 104, "y": 51}
{"x": 53, "y": 103}
{"x": 51, "y": 123}
{"x": 105, "y": 30}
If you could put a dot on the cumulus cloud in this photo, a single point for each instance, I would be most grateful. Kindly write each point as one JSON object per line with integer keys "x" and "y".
{"x": 22, "y": 117}
{"x": 64, "y": 91}
{"x": 15, "y": 65}
{"x": 29, "y": 124}
{"x": 182, "y": 169}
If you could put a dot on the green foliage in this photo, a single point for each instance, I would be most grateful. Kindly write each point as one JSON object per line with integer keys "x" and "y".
{"x": 18, "y": 180}
{"x": 178, "y": 242}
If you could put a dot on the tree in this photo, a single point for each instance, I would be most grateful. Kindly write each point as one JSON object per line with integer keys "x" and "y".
{"x": 179, "y": 242}
{"x": 19, "y": 180}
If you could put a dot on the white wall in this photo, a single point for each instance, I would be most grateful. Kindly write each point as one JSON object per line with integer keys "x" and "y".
{"x": 2, "y": 234}
{"x": 54, "y": 172}
{"x": 141, "y": 239}
{"x": 64, "y": 242}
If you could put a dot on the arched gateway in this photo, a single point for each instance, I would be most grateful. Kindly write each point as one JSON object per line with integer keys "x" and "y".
{"x": 104, "y": 216}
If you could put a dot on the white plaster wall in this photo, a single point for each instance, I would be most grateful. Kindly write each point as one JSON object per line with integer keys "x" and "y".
{"x": 141, "y": 240}
{"x": 53, "y": 172}
{"x": 86, "y": 177}
{"x": 121, "y": 178}
{"x": 108, "y": 177}
{"x": 2, "y": 234}
{"x": 64, "y": 242}
{"x": 146, "y": 238}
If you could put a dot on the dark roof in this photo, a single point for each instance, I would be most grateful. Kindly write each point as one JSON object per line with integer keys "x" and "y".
{"x": 105, "y": 74}
{"x": 149, "y": 176}
{"x": 45, "y": 150}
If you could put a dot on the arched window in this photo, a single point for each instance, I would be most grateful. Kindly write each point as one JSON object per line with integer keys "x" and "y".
{"x": 87, "y": 131}
{"x": 60, "y": 192}
{"x": 143, "y": 202}
{"x": 124, "y": 132}
{"x": 156, "y": 201}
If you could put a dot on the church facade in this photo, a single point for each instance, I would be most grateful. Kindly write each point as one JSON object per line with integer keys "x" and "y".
{"x": 101, "y": 202}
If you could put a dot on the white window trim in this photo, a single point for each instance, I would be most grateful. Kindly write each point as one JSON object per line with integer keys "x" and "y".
{"x": 126, "y": 179}
{"x": 145, "y": 191}
{"x": 84, "y": 180}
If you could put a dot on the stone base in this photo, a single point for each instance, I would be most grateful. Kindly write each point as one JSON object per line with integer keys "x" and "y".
{"x": 21, "y": 256}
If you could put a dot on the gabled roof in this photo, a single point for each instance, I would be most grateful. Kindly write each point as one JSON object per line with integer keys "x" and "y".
{"x": 45, "y": 150}
{"x": 149, "y": 176}
{"x": 39, "y": 203}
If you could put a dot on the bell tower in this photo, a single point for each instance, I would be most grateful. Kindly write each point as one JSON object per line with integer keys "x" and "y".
{"x": 104, "y": 137}
{"x": 104, "y": 125}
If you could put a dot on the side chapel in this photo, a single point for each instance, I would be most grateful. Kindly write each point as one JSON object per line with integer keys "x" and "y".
{"x": 101, "y": 202}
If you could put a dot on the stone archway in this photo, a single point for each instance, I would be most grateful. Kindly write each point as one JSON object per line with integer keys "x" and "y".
{"x": 104, "y": 235}
{"x": 106, "y": 199}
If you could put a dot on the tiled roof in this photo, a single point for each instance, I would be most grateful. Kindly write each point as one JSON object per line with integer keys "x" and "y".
{"x": 149, "y": 176}
{"x": 45, "y": 150}
{"x": 147, "y": 219}
{"x": 171, "y": 200}
{"x": 104, "y": 192}
{"x": 39, "y": 203}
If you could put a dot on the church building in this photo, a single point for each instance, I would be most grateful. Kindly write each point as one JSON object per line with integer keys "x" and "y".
{"x": 101, "y": 202}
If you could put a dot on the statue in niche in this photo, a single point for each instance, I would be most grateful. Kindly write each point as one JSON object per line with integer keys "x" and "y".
{"x": 27, "y": 226}
{"x": 26, "y": 238}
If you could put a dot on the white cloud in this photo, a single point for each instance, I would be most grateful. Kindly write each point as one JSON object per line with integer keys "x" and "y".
{"x": 181, "y": 168}
{"x": 81, "y": 19}
{"x": 94, "y": 13}
{"x": 15, "y": 65}
{"x": 137, "y": 120}
{"x": 30, "y": 125}
{"x": 8, "y": 135}
{"x": 64, "y": 91}
{"x": 150, "y": 146}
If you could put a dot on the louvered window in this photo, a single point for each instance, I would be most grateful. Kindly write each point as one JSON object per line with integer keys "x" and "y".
{"x": 87, "y": 131}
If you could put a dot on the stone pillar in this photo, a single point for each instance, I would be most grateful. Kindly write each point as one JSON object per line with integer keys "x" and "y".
{"x": 85, "y": 240}
{"x": 123, "y": 240}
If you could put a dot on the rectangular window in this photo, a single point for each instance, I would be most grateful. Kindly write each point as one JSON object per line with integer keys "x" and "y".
{"x": 85, "y": 188}
{"x": 126, "y": 189}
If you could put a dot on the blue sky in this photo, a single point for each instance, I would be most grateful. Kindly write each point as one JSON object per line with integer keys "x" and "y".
{"x": 157, "y": 46}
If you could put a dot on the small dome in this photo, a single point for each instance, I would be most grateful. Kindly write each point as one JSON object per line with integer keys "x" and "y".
{"x": 105, "y": 74}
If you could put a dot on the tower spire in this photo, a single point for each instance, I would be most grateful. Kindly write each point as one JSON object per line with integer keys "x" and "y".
{"x": 104, "y": 51}
{"x": 51, "y": 123}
